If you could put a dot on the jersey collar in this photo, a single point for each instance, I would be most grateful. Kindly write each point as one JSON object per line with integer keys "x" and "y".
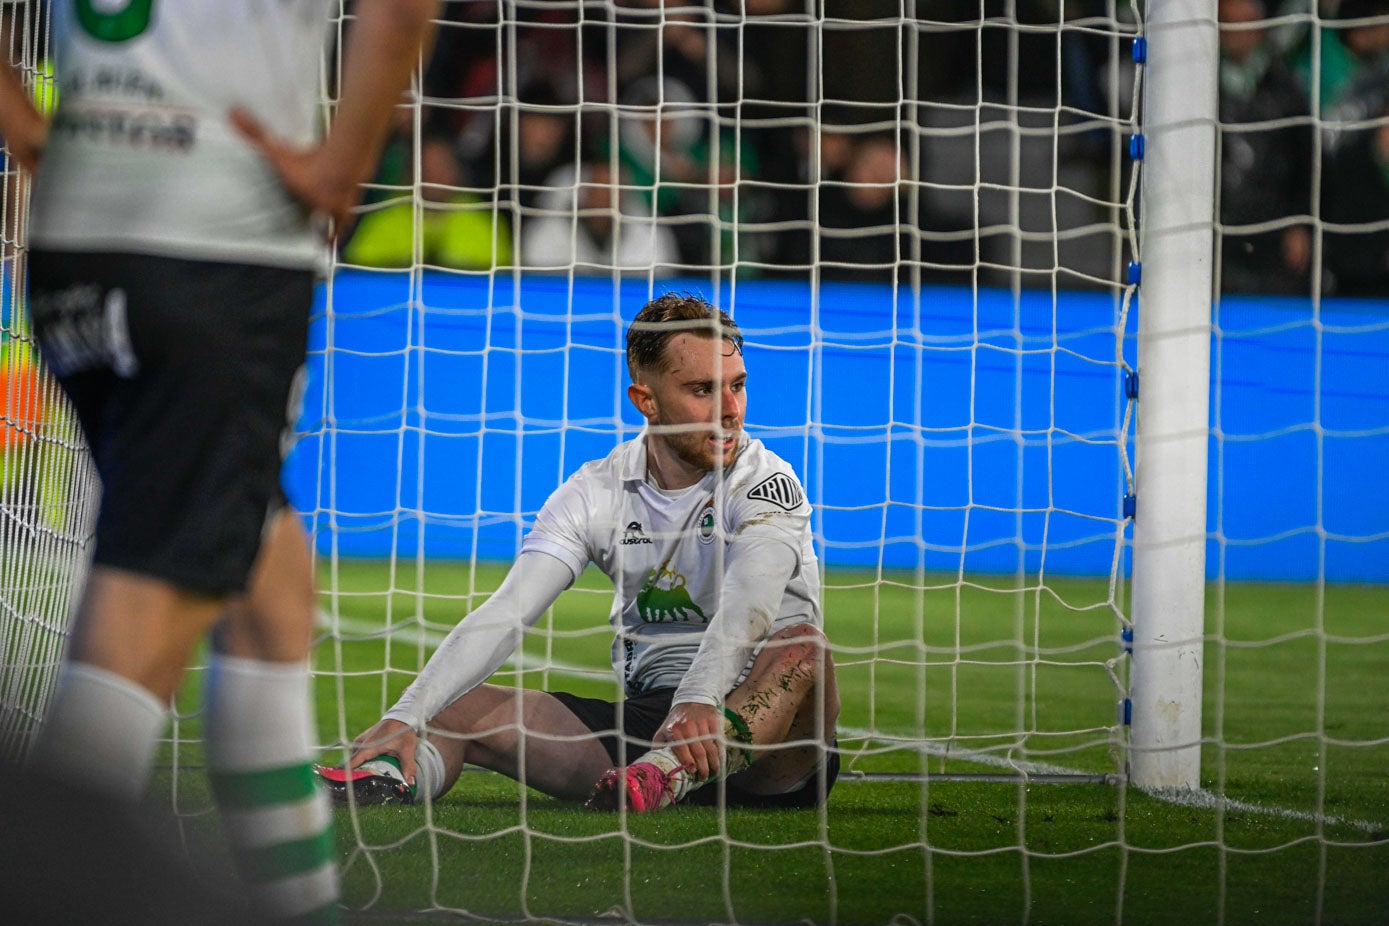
{"x": 634, "y": 459}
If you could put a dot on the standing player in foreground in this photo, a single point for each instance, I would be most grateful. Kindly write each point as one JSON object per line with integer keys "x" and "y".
{"x": 705, "y": 534}
{"x": 172, "y": 255}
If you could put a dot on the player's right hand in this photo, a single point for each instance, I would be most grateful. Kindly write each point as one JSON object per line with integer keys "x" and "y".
{"x": 387, "y": 738}
{"x": 692, "y": 730}
{"x": 309, "y": 175}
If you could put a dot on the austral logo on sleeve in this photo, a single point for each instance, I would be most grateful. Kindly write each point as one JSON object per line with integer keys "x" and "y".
{"x": 781, "y": 490}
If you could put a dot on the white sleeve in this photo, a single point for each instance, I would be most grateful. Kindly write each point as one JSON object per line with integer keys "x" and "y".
{"x": 485, "y": 638}
{"x": 561, "y": 526}
{"x": 753, "y": 586}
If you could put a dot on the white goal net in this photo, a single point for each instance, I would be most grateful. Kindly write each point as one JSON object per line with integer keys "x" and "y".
{"x": 47, "y": 488}
{"x": 938, "y": 225}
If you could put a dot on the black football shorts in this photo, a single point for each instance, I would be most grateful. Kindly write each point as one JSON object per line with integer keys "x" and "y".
{"x": 183, "y": 375}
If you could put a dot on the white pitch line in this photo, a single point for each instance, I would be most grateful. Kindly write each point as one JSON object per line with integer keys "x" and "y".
{"x": 1204, "y": 799}
{"x": 432, "y": 638}
{"x": 1182, "y": 797}
{"x": 415, "y": 634}
{"x": 937, "y": 750}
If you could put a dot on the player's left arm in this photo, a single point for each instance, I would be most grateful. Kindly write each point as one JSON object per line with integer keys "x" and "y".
{"x": 758, "y": 571}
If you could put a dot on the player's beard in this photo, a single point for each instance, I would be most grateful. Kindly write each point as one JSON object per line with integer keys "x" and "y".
{"x": 694, "y": 448}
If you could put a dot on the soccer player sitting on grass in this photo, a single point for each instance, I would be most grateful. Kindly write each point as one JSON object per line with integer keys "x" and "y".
{"x": 705, "y": 534}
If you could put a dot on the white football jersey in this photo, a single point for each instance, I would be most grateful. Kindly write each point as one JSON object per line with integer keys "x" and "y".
{"x": 141, "y": 156}
{"x": 665, "y": 553}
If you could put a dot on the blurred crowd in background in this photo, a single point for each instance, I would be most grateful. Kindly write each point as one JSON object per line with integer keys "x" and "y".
{"x": 1278, "y": 165}
{"x": 984, "y": 142}
{"x": 743, "y": 136}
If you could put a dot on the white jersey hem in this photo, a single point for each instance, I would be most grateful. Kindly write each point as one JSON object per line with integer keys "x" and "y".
{"x": 286, "y": 257}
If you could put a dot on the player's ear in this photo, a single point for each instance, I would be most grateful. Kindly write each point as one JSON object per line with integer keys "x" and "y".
{"x": 643, "y": 398}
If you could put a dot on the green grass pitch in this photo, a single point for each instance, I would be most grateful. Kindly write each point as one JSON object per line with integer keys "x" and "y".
{"x": 1295, "y": 719}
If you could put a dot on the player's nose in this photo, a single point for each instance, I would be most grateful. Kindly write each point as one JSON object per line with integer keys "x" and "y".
{"x": 730, "y": 406}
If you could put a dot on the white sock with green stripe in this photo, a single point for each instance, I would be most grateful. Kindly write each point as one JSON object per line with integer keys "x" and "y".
{"x": 100, "y": 732}
{"x": 429, "y": 770}
{"x": 259, "y": 729}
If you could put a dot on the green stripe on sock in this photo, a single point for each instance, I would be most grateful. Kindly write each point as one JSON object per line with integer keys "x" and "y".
{"x": 287, "y": 859}
{"x": 741, "y": 733}
{"x": 253, "y": 790}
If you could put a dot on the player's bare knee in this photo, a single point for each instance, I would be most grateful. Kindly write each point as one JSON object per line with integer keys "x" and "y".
{"x": 802, "y": 651}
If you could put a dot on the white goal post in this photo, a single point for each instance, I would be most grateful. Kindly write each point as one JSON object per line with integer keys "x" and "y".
{"x": 1174, "y": 330}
